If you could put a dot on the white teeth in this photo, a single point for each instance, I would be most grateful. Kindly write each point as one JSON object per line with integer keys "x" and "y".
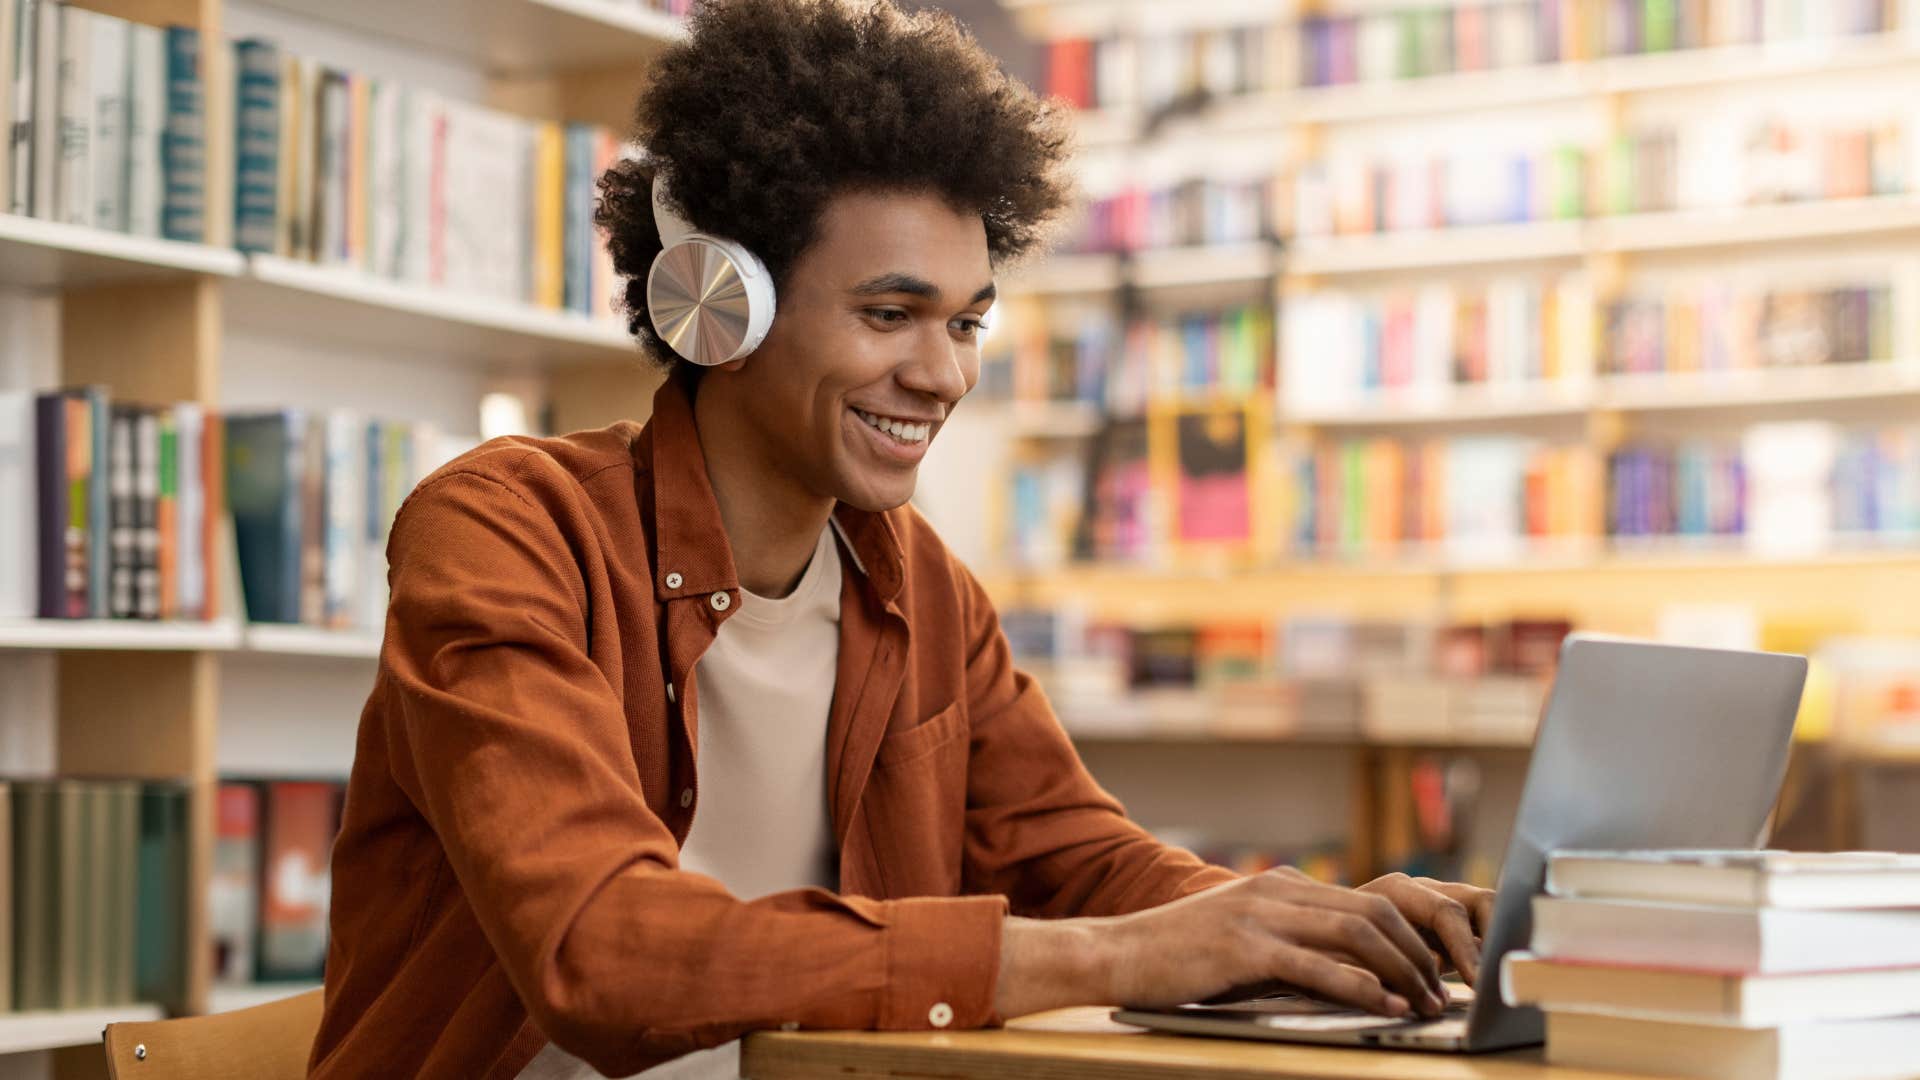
{"x": 899, "y": 429}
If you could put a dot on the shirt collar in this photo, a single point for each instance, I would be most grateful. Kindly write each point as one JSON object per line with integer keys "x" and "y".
{"x": 691, "y": 553}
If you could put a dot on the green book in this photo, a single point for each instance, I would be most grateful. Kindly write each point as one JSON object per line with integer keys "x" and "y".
{"x": 1618, "y": 193}
{"x": 1567, "y": 183}
{"x": 123, "y": 878}
{"x": 72, "y": 952}
{"x": 160, "y": 933}
{"x": 36, "y": 870}
{"x": 1660, "y": 26}
{"x": 88, "y": 958}
{"x": 1353, "y": 511}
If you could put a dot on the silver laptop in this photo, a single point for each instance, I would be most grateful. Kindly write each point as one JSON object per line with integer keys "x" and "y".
{"x": 1640, "y": 746}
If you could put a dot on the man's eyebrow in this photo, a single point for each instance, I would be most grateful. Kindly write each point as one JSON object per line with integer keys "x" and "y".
{"x": 915, "y": 286}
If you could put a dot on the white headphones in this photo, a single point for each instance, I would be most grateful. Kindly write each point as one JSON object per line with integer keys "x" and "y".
{"x": 711, "y": 299}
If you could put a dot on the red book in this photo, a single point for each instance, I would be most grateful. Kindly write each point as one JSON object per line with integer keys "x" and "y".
{"x": 296, "y": 879}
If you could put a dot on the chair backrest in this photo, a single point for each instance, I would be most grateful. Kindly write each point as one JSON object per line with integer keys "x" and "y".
{"x": 264, "y": 1042}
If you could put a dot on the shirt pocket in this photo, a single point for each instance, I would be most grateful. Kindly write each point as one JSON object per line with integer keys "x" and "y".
{"x": 916, "y": 805}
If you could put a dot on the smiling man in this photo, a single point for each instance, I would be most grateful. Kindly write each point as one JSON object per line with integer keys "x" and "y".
{"x": 691, "y": 729}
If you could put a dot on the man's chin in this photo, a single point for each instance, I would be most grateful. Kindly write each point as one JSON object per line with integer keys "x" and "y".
{"x": 878, "y": 498}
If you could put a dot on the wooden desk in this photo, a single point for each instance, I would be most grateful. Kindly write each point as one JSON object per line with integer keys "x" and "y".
{"x": 1082, "y": 1044}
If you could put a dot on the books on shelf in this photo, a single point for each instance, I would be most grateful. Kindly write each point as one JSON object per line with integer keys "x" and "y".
{"x": 105, "y": 121}
{"x": 377, "y": 177}
{"x": 1715, "y": 326}
{"x": 1420, "y": 347}
{"x": 1423, "y": 42}
{"x": 98, "y": 892}
{"x": 1636, "y": 973}
{"x": 271, "y": 882}
{"x": 1786, "y": 487}
{"x": 1474, "y": 498}
{"x": 1161, "y": 70}
{"x": 1084, "y": 354}
{"x": 117, "y": 509}
{"x": 1209, "y": 210}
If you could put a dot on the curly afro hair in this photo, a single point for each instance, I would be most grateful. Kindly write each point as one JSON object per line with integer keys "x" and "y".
{"x": 769, "y": 108}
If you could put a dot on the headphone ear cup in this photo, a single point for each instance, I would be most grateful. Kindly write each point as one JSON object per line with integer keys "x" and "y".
{"x": 711, "y": 300}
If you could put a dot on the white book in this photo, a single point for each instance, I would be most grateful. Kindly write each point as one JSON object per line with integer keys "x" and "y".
{"x": 1779, "y": 879}
{"x": 1835, "y": 1050}
{"x": 190, "y": 517}
{"x": 302, "y": 240}
{"x": 45, "y": 128}
{"x": 19, "y": 546}
{"x": 484, "y": 200}
{"x": 108, "y": 70}
{"x": 73, "y": 182}
{"x": 386, "y": 177}
{"x": 345, "y": 523}
{"x": 1730, "y": 939}
{"x": 146, "y": 123}
{"x": 18, "y": 115}
{"x": 424, "y": 141}
{"x": 1708, "y": 997}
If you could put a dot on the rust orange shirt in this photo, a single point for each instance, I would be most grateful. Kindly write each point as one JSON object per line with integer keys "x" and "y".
{"x": 507, "y": 868}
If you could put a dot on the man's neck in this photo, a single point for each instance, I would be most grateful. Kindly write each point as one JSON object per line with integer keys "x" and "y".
{"x": 772, "y": 525}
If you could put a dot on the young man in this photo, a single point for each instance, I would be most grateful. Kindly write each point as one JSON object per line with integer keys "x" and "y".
{"x": 688, "y": 730}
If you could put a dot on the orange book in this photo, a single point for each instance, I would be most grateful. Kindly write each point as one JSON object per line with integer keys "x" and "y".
{"x": 359, "y": 142}
{"x": 549, "y": 217}
{"x": 1386, "y": 494}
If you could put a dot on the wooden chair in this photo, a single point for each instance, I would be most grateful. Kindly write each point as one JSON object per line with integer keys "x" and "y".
{"x": 265, "y": 1042}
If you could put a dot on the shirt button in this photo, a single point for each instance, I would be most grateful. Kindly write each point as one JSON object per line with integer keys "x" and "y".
{"x": 674, "y": 581}
{"x": 789, "y": 1026}
{"x": 670, "y": 698}
{"x": 686, "y": 798}
{"x": 940, "y": 1015}
{"x": 720, "y": 601}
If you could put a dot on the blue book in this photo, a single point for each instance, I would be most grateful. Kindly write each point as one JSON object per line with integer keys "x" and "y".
{"x": 183, "y": 152}
{"x": 99, "y": 507}
{"x": 256, "y": 192}
{"x": 266, "y": 461}
{"x": 160, "y": 963}
{"x": 577, "y": 243}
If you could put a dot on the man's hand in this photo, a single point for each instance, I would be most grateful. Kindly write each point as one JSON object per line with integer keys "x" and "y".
{"x": 1341, "y": 944}
{"x": 1454, "y": 918}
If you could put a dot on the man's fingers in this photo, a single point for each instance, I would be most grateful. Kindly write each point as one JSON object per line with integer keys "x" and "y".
{"x": 1447, "y": 918}
{"x": 1322, "y": 977}
{"x": 1384, "y": 916}
{"x": 1353, "y": 935}
{"x": 1479, "y": 901}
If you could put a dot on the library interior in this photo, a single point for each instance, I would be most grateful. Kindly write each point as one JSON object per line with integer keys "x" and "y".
{"x": 1388, "y": 344}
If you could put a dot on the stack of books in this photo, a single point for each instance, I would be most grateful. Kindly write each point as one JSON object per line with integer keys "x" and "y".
{"x": 1727, "y": 965}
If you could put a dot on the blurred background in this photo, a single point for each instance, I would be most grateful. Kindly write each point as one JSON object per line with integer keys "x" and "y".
{"x": 1390, "y": 343}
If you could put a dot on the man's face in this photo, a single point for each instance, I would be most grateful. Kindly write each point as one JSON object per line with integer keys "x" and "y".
{"x": 875, "y": 340}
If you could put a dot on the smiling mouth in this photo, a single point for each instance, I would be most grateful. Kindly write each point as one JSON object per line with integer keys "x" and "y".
{"x": 904, "y": 432}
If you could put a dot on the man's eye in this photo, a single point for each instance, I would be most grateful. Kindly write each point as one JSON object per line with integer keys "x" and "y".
{"x": 887, "y": 314}
{"x": 971, "y": 327}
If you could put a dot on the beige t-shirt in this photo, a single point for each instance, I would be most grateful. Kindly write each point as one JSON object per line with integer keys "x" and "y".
{"x": 766, "y": 685}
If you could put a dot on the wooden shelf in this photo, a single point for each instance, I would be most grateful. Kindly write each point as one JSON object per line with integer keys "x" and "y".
{"x": 37, "y": 254}
{"x": 22, "y": 1032}
{"x": 1547, "y": 83}
{"x": 1066, "y": 275}
{"x": 229, "y": 998}
{"x": 1224, "y": 264}
{"x": 1460, "y": 405}
{"x": 127, "y": 635}
{"x": 313, "y": 641}
{"x": 1431, "y": 249}
{"x": 509, "y": 37}
{"x": 1355, "y": 741}
{"x": 351, "y": 308}
{"x": 1738, "y": 226}
{"x": 1677, "y": 392}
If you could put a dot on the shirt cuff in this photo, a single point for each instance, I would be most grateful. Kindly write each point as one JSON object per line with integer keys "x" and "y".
{"x": 943, "y": 963}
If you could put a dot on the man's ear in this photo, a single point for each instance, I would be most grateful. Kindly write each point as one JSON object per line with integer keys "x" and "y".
{"x": 735, "y": 365}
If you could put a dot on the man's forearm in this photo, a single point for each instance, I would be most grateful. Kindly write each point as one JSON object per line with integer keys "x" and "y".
{"x": 1051, "y": 964}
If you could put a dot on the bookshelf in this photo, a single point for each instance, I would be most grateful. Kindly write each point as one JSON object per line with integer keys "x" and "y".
{"x": 25, "y": 1032}
{"x": 160, "y": 321}
{"x": 1801, "y": 594}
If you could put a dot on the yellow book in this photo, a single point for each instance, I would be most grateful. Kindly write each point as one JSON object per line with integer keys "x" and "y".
{"x": 549, "y": 196}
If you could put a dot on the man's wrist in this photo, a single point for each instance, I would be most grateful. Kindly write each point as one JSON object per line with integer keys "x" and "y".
{"x": 1052, "y": 964}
